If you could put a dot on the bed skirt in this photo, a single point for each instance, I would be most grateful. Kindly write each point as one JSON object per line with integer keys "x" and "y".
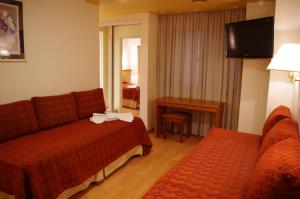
{"x": 99, "y": 176}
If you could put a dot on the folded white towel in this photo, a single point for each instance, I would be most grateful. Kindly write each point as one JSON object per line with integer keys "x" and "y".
{"x": 127, "y": 117}
{"x": 99, "y": 114}
{"x": 99, "y": 118}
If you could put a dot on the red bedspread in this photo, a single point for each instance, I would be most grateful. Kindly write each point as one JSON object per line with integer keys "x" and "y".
{"x": 42, "y": 165}
{"x": 131, "y": 92}
{"x": 219, "y": 168}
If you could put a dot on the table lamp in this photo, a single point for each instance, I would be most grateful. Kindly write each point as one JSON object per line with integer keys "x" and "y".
{"x": 287, "y": 59}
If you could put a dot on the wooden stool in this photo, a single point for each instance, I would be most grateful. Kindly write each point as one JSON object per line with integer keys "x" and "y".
{"x": 182, "y": 119}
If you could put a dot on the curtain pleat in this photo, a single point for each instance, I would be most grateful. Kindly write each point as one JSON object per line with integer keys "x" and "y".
{"x": 192, "y": 63}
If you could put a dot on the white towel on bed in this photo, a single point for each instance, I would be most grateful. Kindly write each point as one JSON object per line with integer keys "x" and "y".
{"x": 99, "y": 118}
{"x": 127, "y": 117}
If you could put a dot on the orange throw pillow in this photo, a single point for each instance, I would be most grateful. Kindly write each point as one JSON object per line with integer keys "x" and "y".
{"x": 277, "y": 173}
{"x": 279, "y": 113}
{"x": 284, "y": 129}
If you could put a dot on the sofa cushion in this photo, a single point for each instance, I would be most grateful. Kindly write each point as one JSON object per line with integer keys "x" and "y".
{"x": 277, "y": 173}
{"x": 284, "y": 129}
{"x": 89, "y": 102}
{"x": 52, "y": 111}
{"x": 279, "y": 113}
{"x": 17, "y": 119}
{"x": 219, "y": 167}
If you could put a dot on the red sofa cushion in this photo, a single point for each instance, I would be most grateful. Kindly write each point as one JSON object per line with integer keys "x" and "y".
{"x": 52, "y": 111}
{"x": 220, "y": 166}
{"x": 89, "y": 102}
{"x": 284, "y": 129}
{"x": 279, "y": 113}
{"x": 277, "y": 173}
{"x": 17, "y": 119}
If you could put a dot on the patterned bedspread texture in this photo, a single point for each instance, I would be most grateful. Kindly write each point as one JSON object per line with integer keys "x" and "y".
{"x": 131, "y": 92}
{"x": 44, "y": 164}
{"x": 219, "y": 168}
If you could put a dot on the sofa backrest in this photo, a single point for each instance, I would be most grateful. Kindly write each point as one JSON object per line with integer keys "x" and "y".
{"x": 284, "y": 129}
{"x": 17, "y": 119}
{"x": 277, "y": 172}
{"x": 279, "y": 113}
{"x": 52, "y": 111}
{"x": 26, "y": 117}
{"x": 89, "y": 102}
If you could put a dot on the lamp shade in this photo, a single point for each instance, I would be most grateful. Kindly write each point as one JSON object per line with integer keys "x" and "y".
{"x": 287, "y": 58}
{"x": 4, "y": 53}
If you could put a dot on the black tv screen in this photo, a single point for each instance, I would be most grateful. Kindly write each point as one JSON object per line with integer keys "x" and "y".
{"x": 251, "y": 38}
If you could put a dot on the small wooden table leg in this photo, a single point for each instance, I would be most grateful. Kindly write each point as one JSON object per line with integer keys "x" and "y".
{"x": 165, "y": 129}
{"x": 160, "y": 110}
{"x": 189, "y": 126}
{"x": 182, "y": 125}
{"x": 158, "y": 120}
{"x": 218, "y": 118}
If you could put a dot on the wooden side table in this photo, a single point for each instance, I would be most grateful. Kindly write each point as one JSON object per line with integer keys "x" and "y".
{"x": 187, "y": 104}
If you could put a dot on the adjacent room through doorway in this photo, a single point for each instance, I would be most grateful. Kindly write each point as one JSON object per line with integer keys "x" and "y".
{"x": 130, "y": 97}
{"x": 120, "y": 67}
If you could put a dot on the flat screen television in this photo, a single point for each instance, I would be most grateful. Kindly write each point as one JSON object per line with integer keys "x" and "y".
{"x": 251, "y": 38}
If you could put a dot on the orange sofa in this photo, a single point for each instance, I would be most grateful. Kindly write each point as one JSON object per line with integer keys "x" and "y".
{"x": 232, "y": 165}
{"x": 50, "y": 149}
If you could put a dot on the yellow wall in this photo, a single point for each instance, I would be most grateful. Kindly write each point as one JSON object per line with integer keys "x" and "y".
{"x": 106, "y": 53}
{"x": 61, "y": 47}
{"x": 255, "y": 79}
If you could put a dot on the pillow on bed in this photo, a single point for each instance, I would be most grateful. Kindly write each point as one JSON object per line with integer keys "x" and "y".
{"x": 89, "y": 102}
{"x": 284, "y": 129}
{"x": 52, "y": 111}
{"x": 17, "y": 119}
{"x": 279, "y": 113}
{"x": 277, "y": 173}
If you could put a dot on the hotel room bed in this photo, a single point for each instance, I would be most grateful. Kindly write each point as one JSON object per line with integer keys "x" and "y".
{"x": 45, "y": 164}
{"x": 131, "y": 95}
{"x": 50, "y": 149}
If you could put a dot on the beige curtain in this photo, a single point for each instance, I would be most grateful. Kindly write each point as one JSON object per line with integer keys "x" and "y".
{"x": 192, "y": 63}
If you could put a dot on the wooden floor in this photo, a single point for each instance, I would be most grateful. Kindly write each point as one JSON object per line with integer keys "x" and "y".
{"x": 135, "y": 112}
{"x": 138, "y": 175}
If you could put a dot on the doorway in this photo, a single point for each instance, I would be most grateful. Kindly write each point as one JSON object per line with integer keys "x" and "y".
{"x": 119, "y": 67}
{"x": 130, "y": 97}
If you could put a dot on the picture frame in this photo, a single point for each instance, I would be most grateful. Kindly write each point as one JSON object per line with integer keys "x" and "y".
{"x": 11, "y": 31}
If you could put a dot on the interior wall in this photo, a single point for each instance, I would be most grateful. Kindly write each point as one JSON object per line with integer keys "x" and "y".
{"x": 121, "y": 32}
{"x": 148, "y": 60}
{"x": 255, "y": 79}
{"x": 61, "y": 48}
{"x": 287, "y": 30}
{"x": 106, "y": 54}
{"x": 152, "y": 66}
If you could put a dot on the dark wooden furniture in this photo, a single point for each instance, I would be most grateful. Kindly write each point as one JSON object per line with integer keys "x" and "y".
{"x": 187, "y": 104}
{"x": 183, "y": 120}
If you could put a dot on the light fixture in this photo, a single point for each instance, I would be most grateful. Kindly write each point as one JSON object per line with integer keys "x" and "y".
{"x": 4, "y": 54}
{"x": 287, "y": 59}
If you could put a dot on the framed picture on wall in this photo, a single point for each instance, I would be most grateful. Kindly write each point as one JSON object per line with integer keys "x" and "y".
{"x": 11, "y": 30}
